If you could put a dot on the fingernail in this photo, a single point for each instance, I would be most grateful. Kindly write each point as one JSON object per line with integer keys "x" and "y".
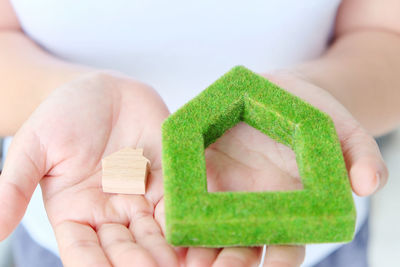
{"x": 378, "y": 181}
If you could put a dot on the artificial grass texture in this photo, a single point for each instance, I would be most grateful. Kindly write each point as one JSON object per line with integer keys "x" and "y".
{"x": 322, "y": 212}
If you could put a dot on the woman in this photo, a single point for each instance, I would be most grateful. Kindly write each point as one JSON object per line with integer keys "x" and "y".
{"x": 55, "y": 53}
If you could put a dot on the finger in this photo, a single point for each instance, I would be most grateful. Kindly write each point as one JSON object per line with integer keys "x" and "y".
{"x": 79, "y": 245}
{"x": 23, "y": 169}
{"x": 155, "y": 186}
{"x": 147, "y": 234}
{"x": 238, "y": 257}
{"x": 284, "y": 256}
{"x": 181, "y": 254}
{"x": 201, "y": 257}
{"x": 120, "y": 247}
{"x": 159, "y": 214}
{"x": 367, "y": 169}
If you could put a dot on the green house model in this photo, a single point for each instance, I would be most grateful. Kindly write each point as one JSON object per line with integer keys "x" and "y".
{"x": 322, "y": 212}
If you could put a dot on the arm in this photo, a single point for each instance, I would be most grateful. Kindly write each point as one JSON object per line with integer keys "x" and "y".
{"x": 41, "y": 72}
{"x": 84, "y": 115}
{"x": 361, "y": 71}
{"x": 61, "y": 145}
{"x": 356, "y": 83}
{"x": 361, "y": 68}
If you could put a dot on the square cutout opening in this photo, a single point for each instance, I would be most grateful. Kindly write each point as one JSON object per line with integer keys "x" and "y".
{"x": 244, "y": 159}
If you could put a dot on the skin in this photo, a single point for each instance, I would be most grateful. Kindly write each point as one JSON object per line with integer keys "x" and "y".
{"x": 91, "y": 113}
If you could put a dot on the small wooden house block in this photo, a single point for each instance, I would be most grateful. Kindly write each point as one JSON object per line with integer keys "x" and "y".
{"x": 125, "y": 172}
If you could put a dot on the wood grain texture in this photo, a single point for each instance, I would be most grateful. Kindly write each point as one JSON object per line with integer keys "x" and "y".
{"x": 125, "y": 172}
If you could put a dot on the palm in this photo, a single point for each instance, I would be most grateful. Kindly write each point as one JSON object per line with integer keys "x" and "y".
{"x": 245, "y": 159}
{"x": 77, "y": 126}
{"x": 97, "y": 126}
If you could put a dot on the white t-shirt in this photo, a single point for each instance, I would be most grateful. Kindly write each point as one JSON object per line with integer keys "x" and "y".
{"x": 178, "y": 47}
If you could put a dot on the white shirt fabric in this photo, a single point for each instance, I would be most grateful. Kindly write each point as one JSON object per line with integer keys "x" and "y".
{"x": 178, "y": 47}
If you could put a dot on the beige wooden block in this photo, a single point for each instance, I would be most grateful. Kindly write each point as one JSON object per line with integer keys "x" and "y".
{"x": 125, "y": 172}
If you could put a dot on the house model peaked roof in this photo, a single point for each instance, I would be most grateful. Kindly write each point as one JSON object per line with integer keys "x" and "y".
{"x": 125, "y": 172}
{"x": 322, "y": 212}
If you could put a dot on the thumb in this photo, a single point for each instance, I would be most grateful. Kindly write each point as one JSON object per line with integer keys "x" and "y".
{"x": 368, "y": 172}
{"x": 24, "y": 167}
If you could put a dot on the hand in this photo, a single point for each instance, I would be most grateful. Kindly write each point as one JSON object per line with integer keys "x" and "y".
{"x": 61, "y": 146}
{"x": 367, "y": 170}
{"x": 244, "y": 159}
